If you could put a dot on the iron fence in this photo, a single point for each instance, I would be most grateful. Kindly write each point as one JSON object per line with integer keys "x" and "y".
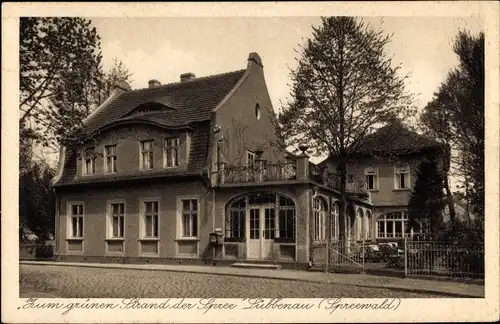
{"x": 238, "y": 174}
{"x": 279, "y": 171}
{"x": 32, "y": 251}
{"x": 267, "y": 172}
{"x": 409, "y": 258}
{"x": 342, "y": 255}
{"x": 445, "y": 259}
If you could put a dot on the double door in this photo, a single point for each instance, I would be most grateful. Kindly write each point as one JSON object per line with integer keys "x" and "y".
{"x": 261, "y": 222}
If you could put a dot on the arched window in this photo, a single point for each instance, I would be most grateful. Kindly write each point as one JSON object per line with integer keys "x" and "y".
{"x": 359, "y": 224}
{"x": 282, "y": 227}
{"x": 368, "y": 226}
{"x": 392, "y": 225}
{"x": 319, "y": 213}
{"x": 335, "y": 219}
{"x": 235, "y": 224}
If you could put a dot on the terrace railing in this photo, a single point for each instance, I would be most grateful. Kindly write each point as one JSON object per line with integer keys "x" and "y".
{"x": 284, "y": 171}
{"x": 266, "y": 172}
{"x": 445, "y": 259}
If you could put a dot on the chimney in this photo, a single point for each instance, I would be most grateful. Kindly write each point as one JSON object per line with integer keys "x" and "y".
{"x": 153, "y": 83}
{"x": 122, "y": 85}
{"x": 255, "y": 59}
{"x": 187, "y": 77}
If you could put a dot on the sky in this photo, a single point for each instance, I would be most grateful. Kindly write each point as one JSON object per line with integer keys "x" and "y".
{"x": 164, "y": 48}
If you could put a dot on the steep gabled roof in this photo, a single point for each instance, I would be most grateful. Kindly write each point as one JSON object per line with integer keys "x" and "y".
{"x": 187, "y": 104}
{"x": 189, "y": 101}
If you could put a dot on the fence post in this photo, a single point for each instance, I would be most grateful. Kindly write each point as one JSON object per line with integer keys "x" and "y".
{"x": 406, "y": 256}
{"x": 364, "y": 253}
{"x": 326, "y": 256}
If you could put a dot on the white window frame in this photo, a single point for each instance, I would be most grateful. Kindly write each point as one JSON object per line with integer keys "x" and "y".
{"x": 335, "y": 220}
{"x": 110, "y": 215}
{"x": 113, "y": 157}
{"x": 70, "y": 216}
{"x": 247, "y": 160}
{"x": 180, "y": 217}
{"x": 398, "y": 170}
{"x": 372, "y": 172}
{"x": 359, "y": 224}
{"x": 85, "y": 170}
{"x": 319, "y": 218}
{"x": 174, "y": 161}
{"x": 367, "y": 218}
{"x": 383, "y": 218}
{"x": 143, "y": 215}
{"x": 142, "y": 152}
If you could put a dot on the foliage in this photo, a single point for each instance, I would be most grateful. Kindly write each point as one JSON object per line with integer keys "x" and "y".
{"x": 117, "y": 73}
{"x": 427, "y": 202}
{"x": 59, "y": 66}
{"x": 456, "y": 115}
{"x": 61, "y": 82}
{"x": 344, "y": 86}
{"x": 37, "y": 200}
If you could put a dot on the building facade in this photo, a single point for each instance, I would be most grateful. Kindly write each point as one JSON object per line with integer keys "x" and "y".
{"x": 158, "y": 170}
{"x": 386, "y": 166}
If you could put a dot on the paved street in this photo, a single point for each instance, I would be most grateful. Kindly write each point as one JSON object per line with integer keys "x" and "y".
{"x": 46, "y": 281}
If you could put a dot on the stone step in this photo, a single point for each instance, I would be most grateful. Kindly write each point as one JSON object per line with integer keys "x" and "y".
{"x": 256, "y": 266}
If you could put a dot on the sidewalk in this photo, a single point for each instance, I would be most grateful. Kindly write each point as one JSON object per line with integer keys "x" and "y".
{"x": 450, "y": 289}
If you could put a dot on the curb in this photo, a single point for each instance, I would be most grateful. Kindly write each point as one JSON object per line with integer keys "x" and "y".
{"x": 111, "y": 266}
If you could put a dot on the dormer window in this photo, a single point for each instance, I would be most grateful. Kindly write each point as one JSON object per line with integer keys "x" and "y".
{"x": 89, "y": 161}
{"x": 402, "y": 177}
{"x": 110, "y": 159}
{"x": 147, "y": 155}
{"x": 171, "y": 152}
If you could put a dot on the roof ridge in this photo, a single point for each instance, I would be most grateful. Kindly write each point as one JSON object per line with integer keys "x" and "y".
{"x": 204, "y": 78}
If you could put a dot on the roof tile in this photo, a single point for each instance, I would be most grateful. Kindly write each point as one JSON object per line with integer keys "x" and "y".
{"x": 192, "y": 100}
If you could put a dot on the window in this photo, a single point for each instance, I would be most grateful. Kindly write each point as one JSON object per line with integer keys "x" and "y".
{"x": 76, "y": 222}
{"x": 116, "y": 214}
{"x": 335, "y": 215}
{"x": 150, "y": 219}
{"x": 171, "y": 152}
{"x": 257, "y": 111}
{"x": 147, "y": 155}
{"x": 368, "y": 217}
{"x": 319, "y": 212}
{"x": 276, "y": 212}
{"x": 402, "y": 178}
{"x": 89, "y": 163}
{"x": 392, "y": 225}
{"x": 371, "y": 178}
{"x": 350, "y": 186}
{"x": 250, "y": 159}
{"x": 189, "y": 222}
{"x": 286, "y": 218}
{"x": 235, "y": 225}
{"x": 359, "y": 224}
{"x": 110, "y": 159}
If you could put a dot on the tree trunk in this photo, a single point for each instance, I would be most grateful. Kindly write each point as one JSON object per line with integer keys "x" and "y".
{"x": 449, "y": 199}
{"x": 342, "y": 204}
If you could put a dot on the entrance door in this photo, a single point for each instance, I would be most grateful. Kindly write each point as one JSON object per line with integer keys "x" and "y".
{"x": 268, "y": 232}
{"x": 261, "y": 233}
{"x": 253, "y": 242}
